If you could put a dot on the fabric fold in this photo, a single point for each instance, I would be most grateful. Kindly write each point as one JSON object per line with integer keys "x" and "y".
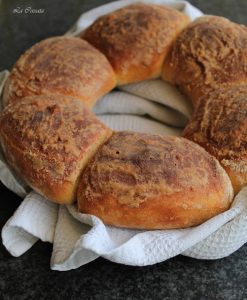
{"x": 34, "y": 219}
{"x": 67, "y": 252}
{"x": 137, "y": 123}
{"x": 126, "y": 103}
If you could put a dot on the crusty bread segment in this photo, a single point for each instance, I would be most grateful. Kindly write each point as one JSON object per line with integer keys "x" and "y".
{"x": 219, "y": 125}
{"x": 153, "y": 182}
{"x": 67, "y": 66}
{"x": 136, "y": 39}
{"x": 211, "y": 53}
{"x": 48, "y": 140}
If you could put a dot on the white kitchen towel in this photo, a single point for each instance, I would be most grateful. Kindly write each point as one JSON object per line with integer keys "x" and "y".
{"x": 78, "y": 238}
{"x": 147, "y": 103}
{"x": 136, "y": 123}
{"x": 216, "y": 238}
{"x": 34, "y": 219}
{"x": 163, "y": 93}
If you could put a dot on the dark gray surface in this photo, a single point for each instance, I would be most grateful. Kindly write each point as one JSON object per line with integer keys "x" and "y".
{"x": 29, "y": 276}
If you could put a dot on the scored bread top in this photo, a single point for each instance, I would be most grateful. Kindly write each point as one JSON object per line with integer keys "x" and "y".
{"x": 151, "y": 181}
{"x": 210, "y": 53}
{"x": 219, "y": 124}
{"x": 136, "y": 39}
{"x": 61, "y": 65}
{"x": 48, "y": 140}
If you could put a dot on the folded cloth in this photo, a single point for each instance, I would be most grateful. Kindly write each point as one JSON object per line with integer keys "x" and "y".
{"x": 34, "y": 219}
{"x": 79, "y": 238}
{"x": 127, "y": 103}
{"x": 161, "y": 92}
{"x": 136, "y": 123}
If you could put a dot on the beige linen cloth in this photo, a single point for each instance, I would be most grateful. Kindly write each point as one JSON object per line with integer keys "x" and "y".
{"x": 151, "y": 106}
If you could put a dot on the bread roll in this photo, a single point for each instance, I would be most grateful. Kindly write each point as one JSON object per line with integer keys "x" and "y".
{"x": 219, "y": 125}
{"x": 48, "y": 140}
{"x": 153, "y": 182}
{"x": 211, "y": 53}
{"x": 61, "y": 65}
{"x": 136, "y": 39}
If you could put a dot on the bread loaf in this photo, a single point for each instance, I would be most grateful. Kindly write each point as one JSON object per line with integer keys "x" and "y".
{"x": 153, "y": 182}
{"x": 48, "y": 141}
{"x": 136, "y": 39}
{"x": 67, "y": 66}
{"x": 131, "y": 179}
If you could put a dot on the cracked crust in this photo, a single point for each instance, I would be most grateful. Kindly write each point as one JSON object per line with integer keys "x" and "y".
{"x": 67, "y": 66}
{"x": 136, "y": 39}
{"x": 48, "y": 140}
{"x": 211, "y": 53}
{"x": 219, "y": 124}
{"x": 132, "y": 180}
{"x": 153, "y": 182}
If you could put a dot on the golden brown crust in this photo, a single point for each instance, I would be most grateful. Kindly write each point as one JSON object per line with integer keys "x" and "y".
{"x": 219, "y": 125}
{"x": 136, "y": 39}
{"x": 61, "y": 65}
{"x": 48, "y": 140}
{"x": 134, "y": 180}
{"x": 153, "y": 182}
{"x": 210, "y": 53}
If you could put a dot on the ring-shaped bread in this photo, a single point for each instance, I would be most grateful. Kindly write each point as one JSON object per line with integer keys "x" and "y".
{"x": 131, "y": 179}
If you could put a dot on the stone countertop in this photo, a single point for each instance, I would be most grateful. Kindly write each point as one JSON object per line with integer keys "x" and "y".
{"x": 29, "y": 276}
